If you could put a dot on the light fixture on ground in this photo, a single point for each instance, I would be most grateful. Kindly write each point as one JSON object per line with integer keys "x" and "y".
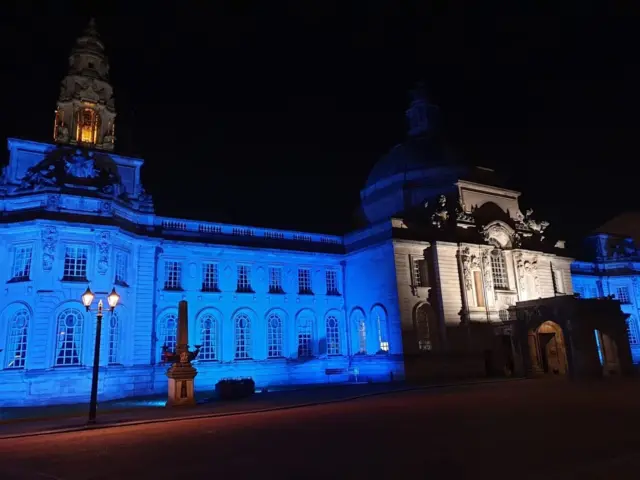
{"x": 87, "y": 300}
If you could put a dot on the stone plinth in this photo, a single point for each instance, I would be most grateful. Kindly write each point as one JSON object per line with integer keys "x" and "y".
{"x": 181, "y": 391}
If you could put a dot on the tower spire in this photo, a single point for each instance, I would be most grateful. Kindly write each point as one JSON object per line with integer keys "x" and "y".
{"x": 86, "y": 110}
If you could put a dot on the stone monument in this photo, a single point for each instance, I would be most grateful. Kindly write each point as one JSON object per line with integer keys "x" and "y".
{"x": 181, "y": 373}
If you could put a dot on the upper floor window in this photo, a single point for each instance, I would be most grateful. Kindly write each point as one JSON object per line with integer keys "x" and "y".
{"x": 88, "y": 125}
{"x": 304, "y": 281}
{"x": 622, "y": 293}
{"x": 244, "y": 278}
{"x": 419, "y": 272}
{"x": 21, "y": 270}
{"x": 121, "y": 269}
{"x": 332, "y": 282}
{"x": 172, "y": 275}
{"x": 75, "y": 263}
{"x": 499, "y": 270}
{"x": 275, "y": 280}
{"x": 210, "y": 277}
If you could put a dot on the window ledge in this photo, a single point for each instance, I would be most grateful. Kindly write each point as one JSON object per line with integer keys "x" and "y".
{"x": 74, "y": 280}
{"x": 173, "y": 290}
{"x": 249, "y": 292}
{"x": 19, "y": 280}
{"x": 211, "y": 291}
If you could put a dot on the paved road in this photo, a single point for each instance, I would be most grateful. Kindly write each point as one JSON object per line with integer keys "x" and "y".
{"x": 535, "y": 429}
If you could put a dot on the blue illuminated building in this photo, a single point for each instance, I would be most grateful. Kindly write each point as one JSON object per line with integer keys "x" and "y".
{"x": 430, "y": 285}
{"x": 610, "y": 265}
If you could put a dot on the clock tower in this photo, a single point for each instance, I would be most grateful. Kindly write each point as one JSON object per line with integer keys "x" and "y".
{"x": 85, "y": 113}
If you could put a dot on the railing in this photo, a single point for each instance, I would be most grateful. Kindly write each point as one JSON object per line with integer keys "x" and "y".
{"x": 207, "y": 228}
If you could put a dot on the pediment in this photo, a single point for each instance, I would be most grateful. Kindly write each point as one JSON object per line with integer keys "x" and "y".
{"x": 499, "y": 234}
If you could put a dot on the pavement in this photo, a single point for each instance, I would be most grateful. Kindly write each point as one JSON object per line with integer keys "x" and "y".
{"x": 19, "y": 422}
{"x": 527, "y": 430}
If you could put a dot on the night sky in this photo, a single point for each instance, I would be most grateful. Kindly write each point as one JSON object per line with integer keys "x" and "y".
{"x": 273, "y": 113}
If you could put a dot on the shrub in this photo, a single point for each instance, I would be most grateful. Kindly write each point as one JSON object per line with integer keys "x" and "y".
{"x": 235, "y": 388}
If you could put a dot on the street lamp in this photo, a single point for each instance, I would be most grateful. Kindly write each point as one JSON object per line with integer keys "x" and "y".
{"x": 87, "y": 300}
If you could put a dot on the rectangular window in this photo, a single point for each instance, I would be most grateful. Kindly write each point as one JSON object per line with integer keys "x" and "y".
{"x": 580, "y": 290}
{"x": 304, "y": 281}
{"x": 591, "y": 292}
{"x": 479, "y": 288}
{"x": 121, "y": 269}
{"x": 622, "y": 294}
{"x": 75, "y": 263}
{"x": 558, "y": 281}
{"x": 21, "y": 270}
{"x": 172, "y": 275}
{"x": 419, "y": 272}
{"x": 244, "y": 278}
{"x": 332, "y": 282}
{"x": 632, "y": 331}
{"x": 499, "y": 270}
{"x": 210, "y": 277}
{"x": 275, "y": 280}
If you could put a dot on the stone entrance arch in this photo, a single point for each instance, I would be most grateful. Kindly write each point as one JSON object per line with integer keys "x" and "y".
{"x": 564, "y": 335}
{"x": 548, "y": 349}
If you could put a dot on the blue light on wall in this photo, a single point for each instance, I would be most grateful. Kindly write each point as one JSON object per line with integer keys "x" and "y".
{"x": 247, "y": 305}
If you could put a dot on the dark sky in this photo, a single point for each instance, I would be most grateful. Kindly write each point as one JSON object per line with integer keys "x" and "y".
{"x": 273, "y": 113}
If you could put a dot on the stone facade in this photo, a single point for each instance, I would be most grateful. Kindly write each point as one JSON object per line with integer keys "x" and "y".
{"x": 610, "y": 267}
{"x": 424, "y": 289}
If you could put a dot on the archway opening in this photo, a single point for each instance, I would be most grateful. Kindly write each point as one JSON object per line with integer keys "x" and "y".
{"x": 548, "y": 350}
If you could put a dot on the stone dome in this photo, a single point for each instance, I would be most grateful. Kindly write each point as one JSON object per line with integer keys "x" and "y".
{"x": 414, "y": 155}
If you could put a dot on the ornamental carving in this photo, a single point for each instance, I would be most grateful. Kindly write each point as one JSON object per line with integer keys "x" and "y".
{"x": 49, "y": 241}
{"x": 465, "y": 258}
{"x": 106, "y": 208}
{"x": 469, "y": 264}
{"x": 440, "y": 215}
{"x": 526, "y": 222}
{"x": 53, "y": 202}
{"x": 486, "y": 270}
{"x": 65, "y": 166}
{"x": 104, "y": 246}
{"x": 531, "y": 268}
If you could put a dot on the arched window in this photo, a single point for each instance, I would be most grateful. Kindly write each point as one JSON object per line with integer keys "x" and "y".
{"x": 168, "y": 332}
{"x": 242, "y": 336}
{"x": 499, "y": 270}
{"x": 305, "y": 336}
{"x": 632, "y": 331}
{"x": 333, "y": 335}
{"x": 87, "y": 125}
{"x": 70, "y": 325}
{"x": 274, "y": 336}
{"x": 16, "y": 356}
{"x": 362, "y": 335}
{"x": 208, "y": 338}
{"x": 423, "y": 329}
{"x": 114, "y": 339}
{"x": 380, "y": 319}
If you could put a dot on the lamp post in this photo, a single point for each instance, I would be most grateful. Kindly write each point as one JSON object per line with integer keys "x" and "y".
{"x": 87, "y": 300}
